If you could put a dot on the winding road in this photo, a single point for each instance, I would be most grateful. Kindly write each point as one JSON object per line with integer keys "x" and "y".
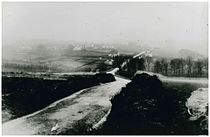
{"x": 75, "y": 114}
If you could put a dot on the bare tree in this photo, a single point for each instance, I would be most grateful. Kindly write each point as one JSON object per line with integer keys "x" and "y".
{"x": 189, "y": 63}
{"x": 164, "y": 66}
{"x": 173, "y": 67}
{"x": 148, "y": 63}
{"x": 182, "y": 61}
{"x": 157, "y": 66}
{"x": 198, "y": 68}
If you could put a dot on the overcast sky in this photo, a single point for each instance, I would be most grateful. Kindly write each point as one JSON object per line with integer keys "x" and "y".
{"x": 160, "y": 24}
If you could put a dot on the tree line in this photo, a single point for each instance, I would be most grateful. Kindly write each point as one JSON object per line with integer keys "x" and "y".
{"x": 180, "y": 67}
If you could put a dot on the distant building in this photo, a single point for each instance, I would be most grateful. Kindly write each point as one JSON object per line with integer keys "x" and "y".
{"x": 77, "y": 48}
{"x": 113, "y": 53}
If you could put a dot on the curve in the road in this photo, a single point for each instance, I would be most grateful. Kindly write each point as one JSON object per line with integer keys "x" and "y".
{"x": 75, "y": 114}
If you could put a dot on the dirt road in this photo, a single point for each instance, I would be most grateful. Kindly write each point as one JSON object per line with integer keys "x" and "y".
{"x": 75, "y": 114}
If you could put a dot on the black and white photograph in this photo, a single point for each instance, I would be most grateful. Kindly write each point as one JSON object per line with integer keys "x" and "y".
{"x": 104, "y": 68}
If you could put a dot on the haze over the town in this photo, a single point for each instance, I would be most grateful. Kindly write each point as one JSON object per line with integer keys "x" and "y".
{"x": 105, "y": 68}
{"x": 177, "y": 25}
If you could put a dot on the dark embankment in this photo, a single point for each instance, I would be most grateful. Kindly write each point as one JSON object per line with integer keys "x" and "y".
{"x": 146, "y": 106}
{"x": 26, "y": 93}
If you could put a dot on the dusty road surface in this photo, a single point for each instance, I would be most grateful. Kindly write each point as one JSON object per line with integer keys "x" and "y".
{"x": 75, "y": 114}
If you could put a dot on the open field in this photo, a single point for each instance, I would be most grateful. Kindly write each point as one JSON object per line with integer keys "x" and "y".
{"x": 149, "y": 105}
{"x": 73, "y": 61}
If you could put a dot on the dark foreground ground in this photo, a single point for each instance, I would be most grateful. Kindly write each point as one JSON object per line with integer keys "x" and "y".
{"x": 25, "y": 93}
{"x": 146, "y": 106}
{"x": 78, "y": 113}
